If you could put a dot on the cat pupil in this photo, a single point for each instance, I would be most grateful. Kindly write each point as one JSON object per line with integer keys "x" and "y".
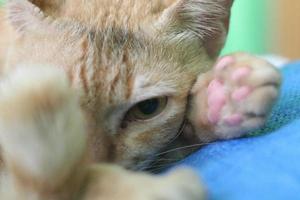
{"x": 149, "y": 107}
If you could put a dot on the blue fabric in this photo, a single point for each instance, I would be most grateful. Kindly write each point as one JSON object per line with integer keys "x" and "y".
{"x": 266, "y": 166}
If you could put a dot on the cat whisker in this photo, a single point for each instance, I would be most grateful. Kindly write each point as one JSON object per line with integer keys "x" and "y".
{"x": 158, "y": 166}
{"x": 158, "y": 169}
{"x": 182, "y": 148}
{"x": 182, "y": 127}
{"x": 166, "y": 159}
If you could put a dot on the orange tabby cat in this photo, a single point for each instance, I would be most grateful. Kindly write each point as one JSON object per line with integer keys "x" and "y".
{"x": 108, "y": 81}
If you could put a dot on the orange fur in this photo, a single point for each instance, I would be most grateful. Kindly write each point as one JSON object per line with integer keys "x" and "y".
{"x": 75, "y": 73}
{"x": 113, "y": 59}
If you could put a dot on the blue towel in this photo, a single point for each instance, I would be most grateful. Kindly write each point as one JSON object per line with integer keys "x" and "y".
{"x": 263, "y": 166}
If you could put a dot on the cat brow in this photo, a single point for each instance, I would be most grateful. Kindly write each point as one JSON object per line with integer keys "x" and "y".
{"x": 159, "y": 89}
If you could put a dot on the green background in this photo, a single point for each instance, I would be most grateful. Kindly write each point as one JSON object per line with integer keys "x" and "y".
{"x": 248, "y": 29}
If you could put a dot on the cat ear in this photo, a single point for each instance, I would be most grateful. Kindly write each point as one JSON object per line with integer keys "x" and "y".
{"x": 24, "y": 16}
{"x": 48, "y": 4}
{"x": 207, "y": 20}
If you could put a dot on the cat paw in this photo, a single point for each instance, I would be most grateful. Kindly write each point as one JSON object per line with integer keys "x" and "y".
{"x": 180, "y": 184}
{"x": 40, "y": 114}
{"x": 238, "y": 95}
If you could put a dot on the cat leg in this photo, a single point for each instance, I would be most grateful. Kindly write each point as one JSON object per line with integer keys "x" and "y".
{"x": 233, "y": 98}
{"x": 41, "y": 135}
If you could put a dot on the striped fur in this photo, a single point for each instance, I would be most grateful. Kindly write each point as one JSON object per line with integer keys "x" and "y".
{"x": 115, "y": 54}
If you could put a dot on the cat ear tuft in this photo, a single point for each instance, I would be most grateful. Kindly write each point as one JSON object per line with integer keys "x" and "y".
{"x": 24, "y": 16}
{"x": 205, "y": 19}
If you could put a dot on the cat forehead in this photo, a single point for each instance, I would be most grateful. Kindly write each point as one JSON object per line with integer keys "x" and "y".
{"x": 121, "y": 71}
{"x": 114, "y": 64}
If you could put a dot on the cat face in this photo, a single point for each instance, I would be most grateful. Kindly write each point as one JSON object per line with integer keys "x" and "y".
{"x": 133, "y": 76}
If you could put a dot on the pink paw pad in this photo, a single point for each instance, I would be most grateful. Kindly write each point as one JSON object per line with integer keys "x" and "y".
{"x": 241, "y": 93}
{"x": 214, "y": 115}
{"x": 234, "y": 120}
{"x": 216, "y": 100}
{"x": 223, "y": 62}
{"x": 215, "y": 86}
{"x": 240, "y": 73}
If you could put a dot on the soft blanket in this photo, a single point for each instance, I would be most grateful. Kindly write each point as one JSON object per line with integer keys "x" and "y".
{"x": 264, "y": 165}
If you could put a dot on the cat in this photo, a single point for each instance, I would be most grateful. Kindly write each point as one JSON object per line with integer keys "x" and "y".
{"x": 109, "y": 81}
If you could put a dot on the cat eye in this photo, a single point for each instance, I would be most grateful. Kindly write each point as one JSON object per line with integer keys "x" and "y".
{"x": 147, "y": 109}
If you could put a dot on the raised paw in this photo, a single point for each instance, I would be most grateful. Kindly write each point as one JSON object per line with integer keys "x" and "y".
{"x": 235, "y": 97}
{"x": 41, "y": 131}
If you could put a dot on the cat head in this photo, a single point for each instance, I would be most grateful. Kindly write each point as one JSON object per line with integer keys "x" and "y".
{"x": 132, "y": 62}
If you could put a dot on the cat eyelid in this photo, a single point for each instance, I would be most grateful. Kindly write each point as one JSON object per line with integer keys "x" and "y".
{"x": 146, "y": 88}
{"x": 149, "y": 92}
